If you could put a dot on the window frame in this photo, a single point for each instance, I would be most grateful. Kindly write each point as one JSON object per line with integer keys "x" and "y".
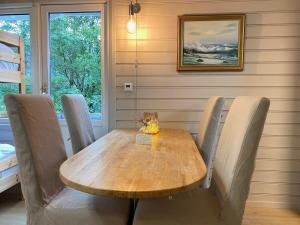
{"x": 45, "y": 53}
{"x": 26, "y": 10}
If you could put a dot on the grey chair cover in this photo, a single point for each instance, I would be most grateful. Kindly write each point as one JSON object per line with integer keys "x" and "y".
{"x": 207, "y": 137}
{"x": 224, "y": 203}
{"x": 78, "y": 119}
{"x": 40, "y": 151}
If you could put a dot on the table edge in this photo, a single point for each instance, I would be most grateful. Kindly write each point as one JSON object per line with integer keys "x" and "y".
{"x": 133, "y": 194}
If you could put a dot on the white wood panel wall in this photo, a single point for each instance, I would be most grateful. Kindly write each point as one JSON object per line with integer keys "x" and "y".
{"x": 272, "y": 69}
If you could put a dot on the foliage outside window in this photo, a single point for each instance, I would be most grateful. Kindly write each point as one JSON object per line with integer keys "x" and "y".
{"x": 75, "y": 56}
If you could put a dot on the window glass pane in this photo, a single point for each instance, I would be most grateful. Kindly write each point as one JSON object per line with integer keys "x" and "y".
{"x": 75, "y": 47}
{"x": 20, "y": 25}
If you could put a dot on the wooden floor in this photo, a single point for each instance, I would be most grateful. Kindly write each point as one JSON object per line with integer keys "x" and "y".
{"x": 267, "y": 216}
{"x": 13, "y": 213}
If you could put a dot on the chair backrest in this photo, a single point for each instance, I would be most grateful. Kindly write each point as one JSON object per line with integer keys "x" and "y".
{"x": 39, "y": 146}
{"x": 78, "y": 119}
{"x": 236, "y": 153}
{"x": 208, "y": 133}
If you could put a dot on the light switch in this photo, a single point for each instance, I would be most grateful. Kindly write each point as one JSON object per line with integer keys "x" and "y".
{"x": 128, "y": 87}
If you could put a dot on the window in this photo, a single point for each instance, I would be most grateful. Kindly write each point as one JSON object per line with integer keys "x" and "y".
{"x": 18, "y": 24}
{"x": 64, "y": 54}
{"x": 74, "y": 50}
{"x": 71, "y": 40}
{"x": 74, "y": 42}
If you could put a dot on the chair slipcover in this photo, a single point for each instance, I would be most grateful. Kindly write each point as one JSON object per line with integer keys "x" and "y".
{"x": 224, "y": 203}
{"x": 78, "y": 119}
{"x": 208, "y": 134}
{"x": 40, "y": 151}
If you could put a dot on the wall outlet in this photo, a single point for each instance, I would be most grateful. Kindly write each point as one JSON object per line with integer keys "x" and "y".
{"x": 128, "y": 87}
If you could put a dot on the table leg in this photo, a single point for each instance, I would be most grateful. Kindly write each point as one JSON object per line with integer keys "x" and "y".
{"x": 133, "y": 203}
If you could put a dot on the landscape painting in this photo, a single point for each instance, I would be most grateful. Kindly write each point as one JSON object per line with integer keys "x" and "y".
{"x": 211, "y": 42}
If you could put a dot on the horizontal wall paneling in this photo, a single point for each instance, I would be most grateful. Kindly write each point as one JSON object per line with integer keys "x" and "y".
{"x": 272, "y": 56}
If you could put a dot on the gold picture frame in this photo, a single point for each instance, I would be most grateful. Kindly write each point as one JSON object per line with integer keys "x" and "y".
{"x": 211, "y": 42}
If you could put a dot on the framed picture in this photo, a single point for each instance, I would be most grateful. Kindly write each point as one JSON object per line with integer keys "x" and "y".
{"x": 211, "y": 42}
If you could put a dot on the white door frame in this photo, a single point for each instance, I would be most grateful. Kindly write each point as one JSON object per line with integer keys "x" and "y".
{"x": 45, "y": 10}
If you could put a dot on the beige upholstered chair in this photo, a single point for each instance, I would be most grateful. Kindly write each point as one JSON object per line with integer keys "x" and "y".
{"x": 78, "y": 119}
{"x": 208, "y": 134}
{"x": 40, "y": 151}
{"x": 224, "y": 203}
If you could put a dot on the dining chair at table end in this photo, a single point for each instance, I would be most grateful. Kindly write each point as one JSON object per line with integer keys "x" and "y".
{"x": 224, "y": 203}
{"x": 78, "y": 120}
{"x": 40, "y": 151}
{"x": 207, "y": 137}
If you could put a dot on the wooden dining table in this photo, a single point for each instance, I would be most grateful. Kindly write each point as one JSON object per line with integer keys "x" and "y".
{"x": 115, "y": 165}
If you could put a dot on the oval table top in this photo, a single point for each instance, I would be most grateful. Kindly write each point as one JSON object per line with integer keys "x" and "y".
{"x": 116, "y": 166}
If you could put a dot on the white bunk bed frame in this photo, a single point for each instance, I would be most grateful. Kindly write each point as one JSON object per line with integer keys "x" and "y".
{"x": 10, "y": 76}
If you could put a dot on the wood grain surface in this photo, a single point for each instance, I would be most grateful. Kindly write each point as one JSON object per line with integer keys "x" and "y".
{"x": 116, "y": 166}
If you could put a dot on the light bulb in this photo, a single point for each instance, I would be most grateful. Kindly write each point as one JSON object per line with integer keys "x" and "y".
{"x": 131, "y": 25}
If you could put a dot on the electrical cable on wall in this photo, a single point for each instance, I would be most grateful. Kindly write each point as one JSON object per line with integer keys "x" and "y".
{"x": 136, "y": 76}
{"x": 132, "y": 26}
